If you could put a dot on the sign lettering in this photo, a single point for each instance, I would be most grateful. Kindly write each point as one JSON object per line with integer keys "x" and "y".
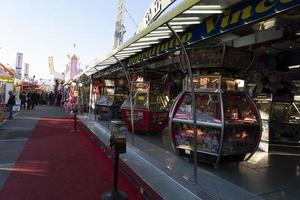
{"x": 237, "y": 15}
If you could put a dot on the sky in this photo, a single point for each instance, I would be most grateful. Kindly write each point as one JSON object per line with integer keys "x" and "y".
{"x": 42, "y": 28}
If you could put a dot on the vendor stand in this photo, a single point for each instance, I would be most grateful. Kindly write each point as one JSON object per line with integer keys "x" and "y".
{"x": 150, "y": 108}
{"x": 111, "y": 99}
{"x": 6, "y": 82}
{"x": 228, "y": 122}
{"x": 280, "y": 122}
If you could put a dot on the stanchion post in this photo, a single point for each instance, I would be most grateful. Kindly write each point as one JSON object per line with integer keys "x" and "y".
{"x": 75, "y": 122}
{"x": 118, "y": 144}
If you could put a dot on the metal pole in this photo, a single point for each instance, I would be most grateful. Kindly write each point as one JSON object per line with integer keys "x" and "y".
{"x": 116, "y": 170}
{"x": 75, "y": 119}
{"x": 130, "y": 98}
{"x": 193, "y": 101}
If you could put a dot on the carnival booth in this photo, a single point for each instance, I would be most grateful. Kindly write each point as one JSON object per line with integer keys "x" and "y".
{"x": 6, "y": 84}
{"x": 150, "y": 108}
{"x": 228, "y": 122}
{"x": 112, "y": 96}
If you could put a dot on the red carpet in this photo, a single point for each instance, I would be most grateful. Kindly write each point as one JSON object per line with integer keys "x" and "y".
{"x": 59, "y": 165}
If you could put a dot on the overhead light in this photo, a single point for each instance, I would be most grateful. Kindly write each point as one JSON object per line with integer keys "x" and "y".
{"x": 203, "y": 12}
{"x": 152, "y": 38}
{"x": 184, "y": 23}
{"x": 131, "y": 51}
{"x": 166, "y": 28}
{"x": 136, "y": 48}
{"x": 157, "y": 34}
{"x": 186, "y": 19}
{"x": 297, "y": 34}
{"x": 143, "y": 43}
{"x": 206, "y": 7}
{"x": 294, "y": 66}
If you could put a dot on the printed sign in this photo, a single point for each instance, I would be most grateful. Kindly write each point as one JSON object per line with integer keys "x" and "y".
{"x": 19, "y": 62}
{"x": 244, "y": 12}
{"x": 153, "y": 12}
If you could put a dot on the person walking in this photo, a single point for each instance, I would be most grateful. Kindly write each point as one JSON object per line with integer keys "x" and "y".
{"x": 23, "y": 100}
{"x": 11, "y": 102}
{"x": 29, "y": 100}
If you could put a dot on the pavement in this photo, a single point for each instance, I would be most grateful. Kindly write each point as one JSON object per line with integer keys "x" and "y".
{"x": 41, "y": 158}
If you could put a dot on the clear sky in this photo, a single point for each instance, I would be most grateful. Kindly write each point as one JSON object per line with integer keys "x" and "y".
{"x": 42, "y": 28}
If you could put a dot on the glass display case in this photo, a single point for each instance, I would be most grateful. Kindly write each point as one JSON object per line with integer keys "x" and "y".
{"x": 228, "y": 122}
{"x": 285, "y": 123}
{"x": 150, "y": 108}
{"x": 280, "y": 123}
{"x": 113, "y": 95}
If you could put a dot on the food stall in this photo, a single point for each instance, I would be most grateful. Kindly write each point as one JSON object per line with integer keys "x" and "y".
{"x": 280, "y": 122}
{"x": 228, "y": 122}
{"x": 112, "y": 96}
{"x": 150, "y": 108}
{"x": 6, "y": 84}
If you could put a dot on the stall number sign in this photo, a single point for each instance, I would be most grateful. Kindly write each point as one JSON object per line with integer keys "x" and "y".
{"x": 156, "y": 8}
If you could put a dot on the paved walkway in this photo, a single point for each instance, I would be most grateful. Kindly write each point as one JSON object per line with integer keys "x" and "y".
{"x": 42, "y": 159}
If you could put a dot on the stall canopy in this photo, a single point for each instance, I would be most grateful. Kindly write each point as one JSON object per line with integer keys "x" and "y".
{"x": 194, "y": 21}
{"x": 6, "y": 74}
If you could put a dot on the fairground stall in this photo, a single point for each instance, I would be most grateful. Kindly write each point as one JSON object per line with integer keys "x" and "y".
{"x": 6, "y": 84}
{"x": 150, "y": 108}
{"x": 112, "y": 95}
{"x": 228, "y": 122}
{"x": 280, "y": 122}
{"x": 263, "y": 28}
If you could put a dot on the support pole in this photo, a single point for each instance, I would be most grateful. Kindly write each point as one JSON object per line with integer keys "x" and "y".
{"x": 193, "y": 101}
{"x": 75, "y": 124}
{"x": 130, "y": 98}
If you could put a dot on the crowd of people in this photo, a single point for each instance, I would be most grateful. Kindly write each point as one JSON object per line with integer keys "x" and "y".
{"x": 33, "y": 98}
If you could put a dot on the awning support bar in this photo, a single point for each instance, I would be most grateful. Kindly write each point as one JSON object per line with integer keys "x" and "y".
{"x": 188, "y": 63}
{"x": 130, "y": 97}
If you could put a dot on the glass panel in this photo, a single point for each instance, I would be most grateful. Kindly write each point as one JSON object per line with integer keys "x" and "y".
{"x": 207, "y": 138}
{"x": 285, "y": 112}
{"x": 207, "y": 108}
{"x": 232, "y": 84}
{"x": 237, "y": 109}
{"x": 157, "y": 102}
{"x": 240, "y": 139}
{"x": 140, "y": 91}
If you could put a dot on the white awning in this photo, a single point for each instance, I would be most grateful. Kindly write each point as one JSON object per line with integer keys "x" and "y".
{"x": 181, "y": 17}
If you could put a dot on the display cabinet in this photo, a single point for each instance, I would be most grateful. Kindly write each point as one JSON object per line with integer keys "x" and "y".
{"x": 150, "y": 108}
{"x": 113, "y": 95}
{"x": 228, "y": 122}
{"x": 280, "y": 123}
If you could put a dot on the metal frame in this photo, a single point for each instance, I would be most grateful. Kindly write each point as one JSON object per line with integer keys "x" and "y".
{"x": 130, "y": 98}
{"x": 220, "y": 93}
{"x": 190, "y": 74}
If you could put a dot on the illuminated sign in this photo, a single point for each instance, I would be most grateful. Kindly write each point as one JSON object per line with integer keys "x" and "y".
{"x": 240, "y": 14}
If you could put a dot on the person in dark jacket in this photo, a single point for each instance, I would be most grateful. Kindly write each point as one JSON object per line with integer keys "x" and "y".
{"x": 23, "y": 100}
{"x": 11, "y": 102}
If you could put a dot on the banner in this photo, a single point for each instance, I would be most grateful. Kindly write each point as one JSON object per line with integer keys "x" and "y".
{"x": 51, "y": 64}
{"x": 19, "y": 62}
{"x": 26, "y": 70}
{"x": 240, "y": 14}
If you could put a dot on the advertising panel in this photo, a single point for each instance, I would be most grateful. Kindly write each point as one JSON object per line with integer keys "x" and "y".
{"x": 19, "y": 62}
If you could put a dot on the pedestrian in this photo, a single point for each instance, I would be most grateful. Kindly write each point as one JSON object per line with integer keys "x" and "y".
{"x": 23, "y": 100}
{"x": 29, "y": 100}
{"x": 11, "y": 102}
